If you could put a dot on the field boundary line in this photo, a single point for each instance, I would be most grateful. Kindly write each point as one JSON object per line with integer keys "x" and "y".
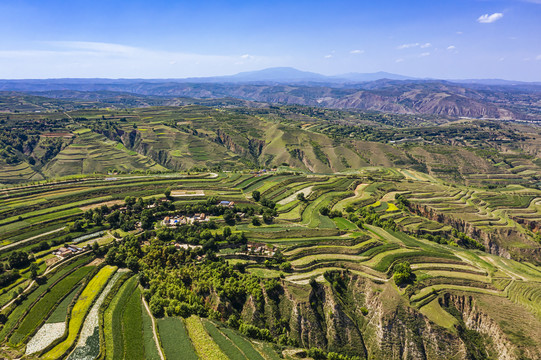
{"x": 30, "y": 239}
{"x": 153, "y": 328}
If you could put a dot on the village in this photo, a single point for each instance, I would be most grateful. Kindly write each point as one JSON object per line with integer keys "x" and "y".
{"x": 179, "y": 220}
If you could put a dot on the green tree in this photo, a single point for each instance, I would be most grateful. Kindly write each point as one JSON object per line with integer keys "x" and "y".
{"x": 167, "y": 193}
{"x": 147, "y": 220}
{"x": 34, "y": 270}
{"x": 18, "y": 260}
{"x": 403, "y": 273}
{"x": 256, "y": 195}
{"x": 97, "y": 218}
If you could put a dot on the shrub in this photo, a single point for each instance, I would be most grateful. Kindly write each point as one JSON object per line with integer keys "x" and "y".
{"x": 364, "y": 311}
{"x": 403, "y": 273}
{"x": 286, "y": 266}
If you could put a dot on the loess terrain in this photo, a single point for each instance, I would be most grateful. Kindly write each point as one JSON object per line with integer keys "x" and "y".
{"x": 235, "y": 230}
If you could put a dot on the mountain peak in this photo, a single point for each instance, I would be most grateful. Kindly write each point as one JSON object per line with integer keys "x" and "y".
{"x": 279, "y": 74}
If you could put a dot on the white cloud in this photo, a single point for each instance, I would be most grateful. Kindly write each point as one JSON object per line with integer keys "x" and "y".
{"x": 426, "y": 45}
{"x": 98, "y": 47}
{"x": 451, "y": 47}
{"x": 424, "y": 54}
{"x": 328, "y": 56}
{"x": 399, "y": 60}
{"x": 487, "y": 19}
{"x": 356, "y": 52}
{"x": 407, "y": 46}
{"x": 459, "y": 33}
{"x": 538, "y": 57}
{"x": 96, "y": 59}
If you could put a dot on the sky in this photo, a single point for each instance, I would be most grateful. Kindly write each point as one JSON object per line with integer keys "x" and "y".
{"x": 445, "y": 39}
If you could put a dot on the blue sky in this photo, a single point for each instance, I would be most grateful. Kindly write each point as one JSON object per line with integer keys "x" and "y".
{"x": 171, "y": 39}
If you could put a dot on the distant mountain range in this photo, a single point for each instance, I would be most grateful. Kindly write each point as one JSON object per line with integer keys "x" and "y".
{"x": 269, "y": 75}
{"x": 292, "y": 75}
{"x": 385, "y": 92}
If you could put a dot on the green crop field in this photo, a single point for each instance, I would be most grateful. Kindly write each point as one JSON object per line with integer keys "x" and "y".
{"x": 205, "y": 346}
{"x": 61, "y": 312}
{"x": 81, "y": 307}
{"x": 114, "y": 320}
{"x": 244, "y": 345}
{"x": 175, "y": 340}
{"x": 225, "y": 344}
{"x": 132, "y": 327}
{"x": 43, "y": 307}
{"x": 375, "y": 236}
{"x": 151, "y": 348}
{"x": 18, "y": 312}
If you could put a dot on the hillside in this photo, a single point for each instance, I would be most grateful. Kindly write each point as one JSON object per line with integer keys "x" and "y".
{"x": 235, "y": 230}
{"x": 304, "y": 139}
{"x": 312, "y": 277}
{"x": 283, "y": 86}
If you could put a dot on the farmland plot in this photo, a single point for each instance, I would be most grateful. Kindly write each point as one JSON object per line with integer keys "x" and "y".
{"x": 175, "y": 341}
{"x": 80, "y": 309}
{"x": 88, "y": 345}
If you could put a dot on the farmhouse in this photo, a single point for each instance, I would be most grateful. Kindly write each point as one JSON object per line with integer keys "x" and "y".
{"x": 226, "y": 203}
{"x": 63, "y": 253}
{"x": 260, "y": 249}
{"x": 187, "y": 246}
{"x": 66, "y": 252}
{"x": 183, "y": 220}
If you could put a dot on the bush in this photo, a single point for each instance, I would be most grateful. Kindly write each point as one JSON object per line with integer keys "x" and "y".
{"x": 403, "y": 273}
{"x": 255, "y": 332}
{"x": 324, "y": 211}
{"x": 286, "y": 266}
{"x": 364, "y": 311}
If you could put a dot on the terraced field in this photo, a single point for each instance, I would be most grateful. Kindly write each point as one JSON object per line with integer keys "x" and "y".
{"x": 92, "y": 152}
{"x": 379, "y": 219}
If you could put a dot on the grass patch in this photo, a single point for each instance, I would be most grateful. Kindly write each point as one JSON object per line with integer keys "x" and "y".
{"x": 436, "y": 314}
{"x": 344, "y": 224}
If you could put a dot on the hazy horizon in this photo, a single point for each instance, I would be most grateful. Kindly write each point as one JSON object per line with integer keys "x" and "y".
{"x": 336, "y": 75}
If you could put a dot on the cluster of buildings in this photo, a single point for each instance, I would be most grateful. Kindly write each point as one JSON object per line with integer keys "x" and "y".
{"x": 260, "y": 249}
{"x": 263, "y": 171}
{"x": 67, "y": 251}
{"x": 183, "y": 220}
{"x": 187, "y": 246}
{"x": 226, "y": 203}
